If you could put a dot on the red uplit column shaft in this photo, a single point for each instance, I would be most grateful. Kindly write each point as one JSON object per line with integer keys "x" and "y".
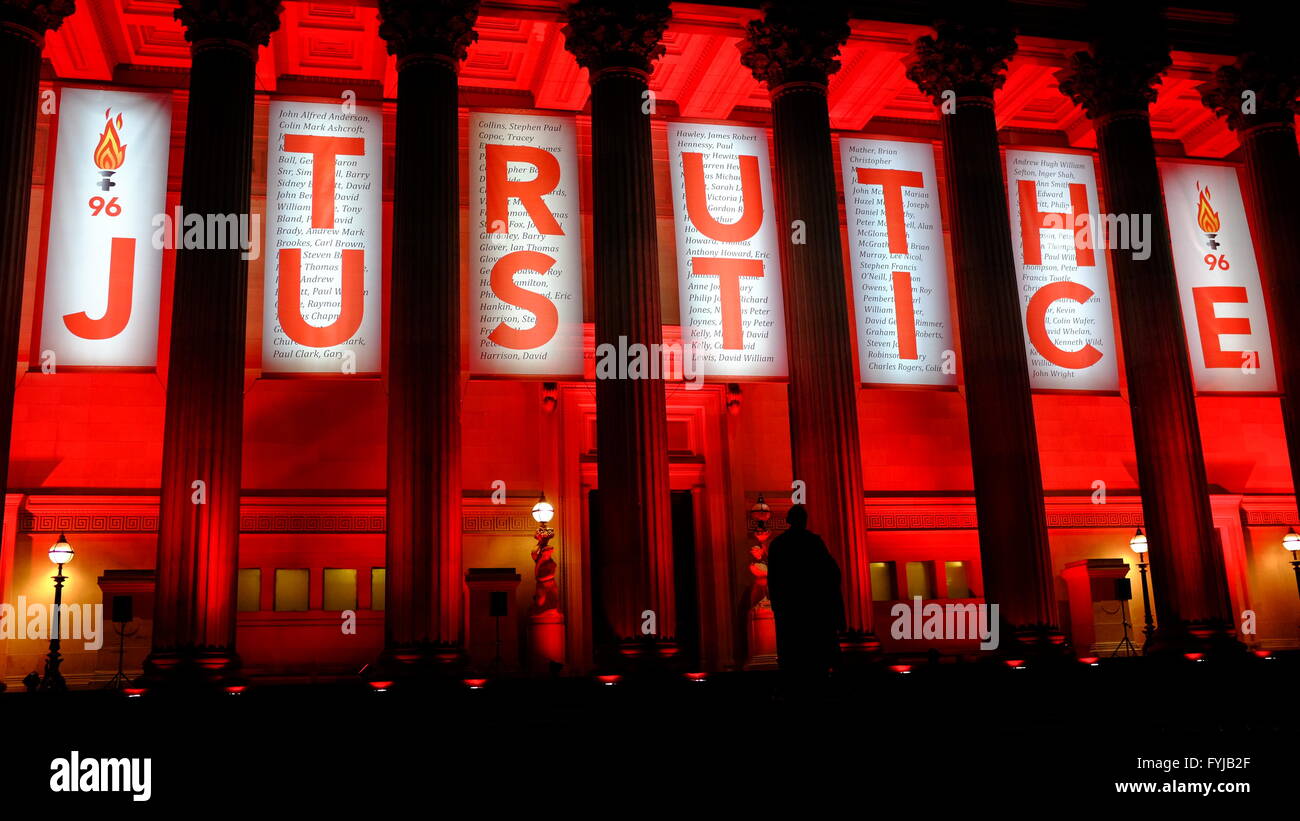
{"x": 1268, "y": 141}
{"x": 424, "y": 582}
{"x": 617, "y": 44}
{"x": 960, "y": 67}
{"x": 22, "y": 34}
{"x": 794, "y": 50}
{"x": 1115, "y": 84}
{"x": 198, "y": 527}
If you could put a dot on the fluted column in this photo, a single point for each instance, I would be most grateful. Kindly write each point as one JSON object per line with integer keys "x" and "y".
{"x": 632, "y": 555}
{"x": 424, "y": 581}
{"x": 1115, "y": 83}
{"x": 962, "y": 65}
{"x": 794, "y": 49}
{"x": 198, "y": 527}
{"x": 1268, "y": 141}
{"x": 23, "y": 24}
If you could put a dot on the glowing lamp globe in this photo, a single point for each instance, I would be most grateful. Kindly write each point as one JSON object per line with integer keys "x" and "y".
{"x": 1291, "y": 541}
{"x": 61, "y": 551}
{"x": 1138, "y": 542}
{"x": 543, "y": 511}
{"x": 761, "y": 511}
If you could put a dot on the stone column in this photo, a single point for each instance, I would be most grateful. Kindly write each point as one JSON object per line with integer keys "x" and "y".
{"x": 424, "y": 582}
{"x": 632, "y": 555}
{"x": 794, "y": 49}
{"x": 23, "y": 24}
{"x": 1268, "y": 141}
{"x": 198, "y": 526}
{"x": 1115, "y": 83}
{"x": 960, "y": 68}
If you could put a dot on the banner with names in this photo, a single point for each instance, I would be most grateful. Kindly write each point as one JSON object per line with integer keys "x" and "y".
{"x": 728, "y": 262}
{"x": 322, "y": 307}
{"x": 1061, "y": 267}
{"x": 897, "y": 262}
{"x": 525, "y": 288}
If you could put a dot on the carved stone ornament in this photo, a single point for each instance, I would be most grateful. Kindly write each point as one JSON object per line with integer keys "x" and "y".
{"x": 626, "y": 34}
{"x": 1256, "y": 90}
{"x": 37, "y": 15}
{"x": 442, "y": 28}
{"x": 246, "y": 21}
{"x": 795, "y": 43}
{"x": 964, "y": 57}
{"x": 1120, "y": 71}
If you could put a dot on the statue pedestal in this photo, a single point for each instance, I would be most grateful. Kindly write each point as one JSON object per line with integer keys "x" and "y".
{"x": 762, "y": 638}
{"x": 545, "y": 640}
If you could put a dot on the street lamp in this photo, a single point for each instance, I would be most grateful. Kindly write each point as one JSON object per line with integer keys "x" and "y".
{"x": 547, "y": 596}
{"x": 1139, "y": 545}
{"x": 1291, "y": 542}
{"x": 543, "y": 511}
{"x": 545, "y": 619}
{"x": 60, "y": 553}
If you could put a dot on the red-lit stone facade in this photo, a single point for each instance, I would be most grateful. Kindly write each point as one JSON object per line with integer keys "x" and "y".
{"x": 405, "y": 485}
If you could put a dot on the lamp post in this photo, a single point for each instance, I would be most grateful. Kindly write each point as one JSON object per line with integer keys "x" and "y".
{"x": 546, "y": 621}
{"x": 60, "y": 553}
{"x": 762, "y": 627}
{"x": 1139, "y": 545}
{"x": 547, "y": 595}
{"x": 1291, "y": 542}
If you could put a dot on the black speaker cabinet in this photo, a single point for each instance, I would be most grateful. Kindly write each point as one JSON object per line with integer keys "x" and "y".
{"x": 123, "y": 609}
{"x": 1123, "y": 589}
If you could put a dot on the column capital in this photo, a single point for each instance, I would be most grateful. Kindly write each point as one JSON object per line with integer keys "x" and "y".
{"x": 35, "y": 16}
{"x": 1273, "y": 79}
{"x": 966, "y": 56}
{"x": 1119, "y": 72}
{"x": 442, "y": 29}
{"x": 603, "y": 35}
{"x": 794, "y": 43}
{"x": 247, "y": 22}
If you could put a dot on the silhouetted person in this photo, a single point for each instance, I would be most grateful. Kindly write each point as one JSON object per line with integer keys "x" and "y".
{"x": 803, "y": 584}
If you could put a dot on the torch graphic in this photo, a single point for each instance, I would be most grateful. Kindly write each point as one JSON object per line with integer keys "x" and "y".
{"x": 1207, "y": 219}
{"x": 110, "y": 153}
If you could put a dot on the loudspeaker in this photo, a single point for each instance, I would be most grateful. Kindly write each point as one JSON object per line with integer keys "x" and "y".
{"x": 123, "y": 609}
{"x": 1123, "y": 589}
{"x": 498, "y": 604}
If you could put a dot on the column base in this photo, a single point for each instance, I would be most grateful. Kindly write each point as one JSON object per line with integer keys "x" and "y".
{"x": 859, "y": 651}
{"x": 642, "y": 655}
{"x": 425, "y": 661}
{"x": 1196, "y": 641}
{"x": 1035, "y": 643}
{"x": 192, "y": 668}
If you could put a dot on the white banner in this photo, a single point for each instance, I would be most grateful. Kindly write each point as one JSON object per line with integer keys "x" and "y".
{"x": 1218, "y": 279}
{"x": 1061, "y": 266}
{"x": 900, "y": 272}
{"x": 728, "y": 263}
{"x": 526, "y": 287}
{"x": 324, "y": 239}
{"x": 103, "y": 271}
